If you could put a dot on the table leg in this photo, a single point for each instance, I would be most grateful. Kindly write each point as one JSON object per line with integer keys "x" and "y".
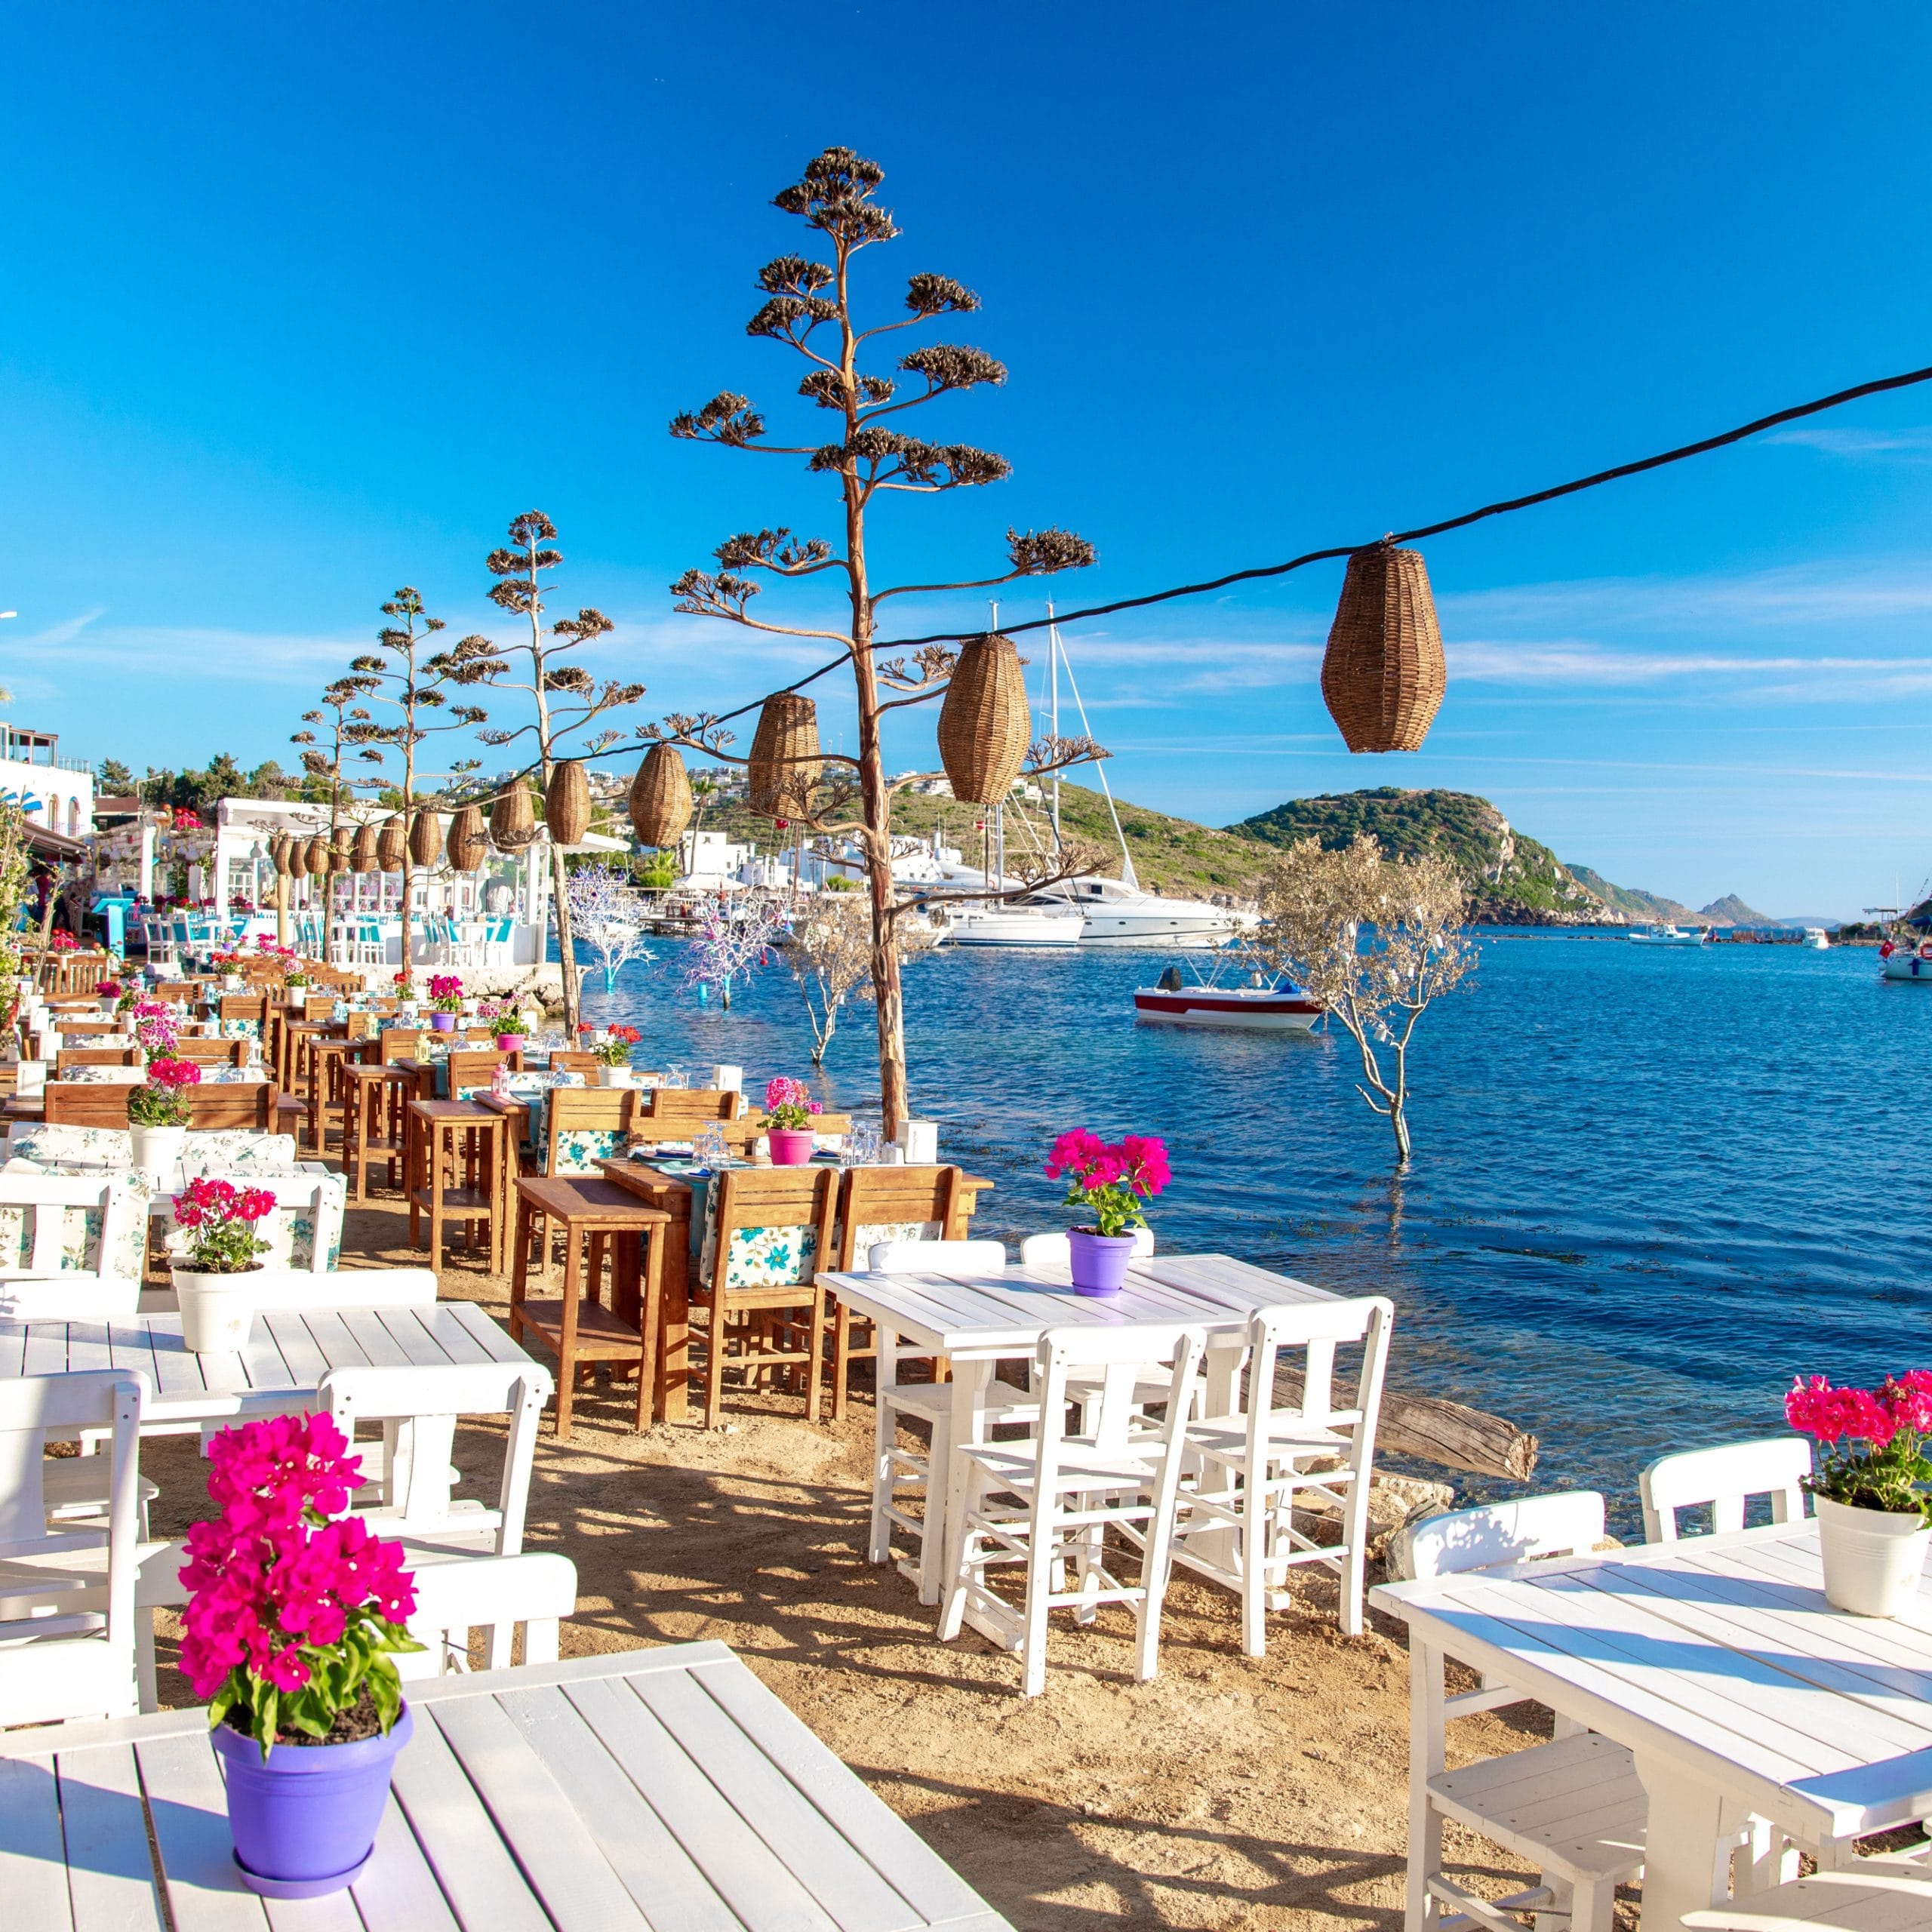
{"x": 674, "y": 1335}
{"x": 1685, "y": 1855}
{"x": 646, "y": 1247}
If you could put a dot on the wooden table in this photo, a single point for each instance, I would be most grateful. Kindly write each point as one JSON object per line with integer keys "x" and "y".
{"x": 288, "y": 1352}
{"x": 975, "y": 1319}
{"x": 475, "y": 1141}
{"x": 1717, "y": 1661}
{"x": 653, "y": 1790}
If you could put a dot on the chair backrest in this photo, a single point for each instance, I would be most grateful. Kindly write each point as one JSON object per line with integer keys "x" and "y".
{"x": 1055, "y": 1250}
{"x": 674, "y": 1112}
{"x": 74, "y": 1659}
{"x": 1570, "y": 1523}
{"x": 318, "y": 1006}
{"x": 947, "y": 1256}
{"x": 356, "y": 1287}
{"x": 537, "y": 1588}
{"x": 398, "y": 1043}
{"x": 244, "y": 1006}
{"x": 773, "y": 1227}
{"x": 212, "y": 1053}
{"x": 1725, "y": 1477}
{"x": 879, "y": 1204}
{"x": 304, "y": 1232}
{"x": 86, "y": 1103}
{"x": 415, "y": 1497}
{"x": 1314, "y": 1331}
{"x": 469, "y": 1072}
{"x": 52, "y": 1224}
{"x": 243, "y": 1103}
{"x": 1117, "y": 1359}
{"x": 94, "y": 1056}
{"x": 570, "y": 1059}
{"x": 589, "y": 1125}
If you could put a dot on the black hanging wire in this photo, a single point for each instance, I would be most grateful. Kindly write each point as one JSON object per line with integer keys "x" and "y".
{"x": 1702, "y": 447}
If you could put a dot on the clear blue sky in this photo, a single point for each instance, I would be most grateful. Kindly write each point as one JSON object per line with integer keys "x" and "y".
{"x": 301, "y": 304}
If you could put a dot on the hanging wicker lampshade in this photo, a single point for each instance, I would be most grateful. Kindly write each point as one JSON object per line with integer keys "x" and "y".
{"x": 278, "y": 847}
{"x": 1382, "y": 675}
{"x": 661, "y": 797}
{"x": 342, "y": 850}
{"x": 389, "y": 842}
{"x": 513, "y": 823}
{"x": 362, "y": 854}
{"x": 985, "y": 724}
{"x": 315, "y": 860}
{"x": 785, "y": 763}
{"x": 567, "y": 804}
{"x": 426, "y": 837}
{"x": 468, "y": 844}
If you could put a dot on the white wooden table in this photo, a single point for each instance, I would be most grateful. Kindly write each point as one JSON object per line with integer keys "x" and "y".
{"x": 650, "y": 1791}
{"x": 1717, "y": 1662}
{"x": 288, "y": 1353}
{"x": 976, "y": 1318}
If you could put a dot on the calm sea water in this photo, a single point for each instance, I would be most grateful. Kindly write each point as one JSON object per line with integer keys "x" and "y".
{"x": 1649, "y": 1186}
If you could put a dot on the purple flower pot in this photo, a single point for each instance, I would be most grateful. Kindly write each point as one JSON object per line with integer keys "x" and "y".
{"x": 1100, "y": 1261}
{"x": 304, "y": 1823}
{"x": 791, "y": 1146}
{"x": 444, "y": 1022}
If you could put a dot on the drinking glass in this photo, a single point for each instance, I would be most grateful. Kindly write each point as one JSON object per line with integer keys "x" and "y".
{"x": 674, "y": 1076}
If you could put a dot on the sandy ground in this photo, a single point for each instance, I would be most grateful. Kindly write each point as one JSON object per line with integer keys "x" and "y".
{"x": 1231, "y": 1791}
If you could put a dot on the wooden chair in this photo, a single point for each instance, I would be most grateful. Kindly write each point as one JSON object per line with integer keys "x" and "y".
{"x": 470, "y": 1071}
{"x": 248, "y": 1012}
{"x": 675, "y": 1113}
{"x": 1574, "y": 1808}
{"x": 211, "y": 1052}
{"x": 773, "y": 1226}
{"x": 94, "y": 1056}
{"x": 304, "y": 1232}
{"x": 85, "y": 1103}
{"x": 459, "y": 1164}
{"x": 67, "y": 1648}
{"x": 255, "y": 1103}
{"x": 571, "y": 1061}
{"x": 374, "y": 1127}
{"x": 81, "y": 1232}
{"x": 881, "y": 1204}
{"x": 1723, "y": 1479}
{"x": 398, "y": 1043}
{"x": 588, "y": 1125}
{"x": 1237, "y": 1525}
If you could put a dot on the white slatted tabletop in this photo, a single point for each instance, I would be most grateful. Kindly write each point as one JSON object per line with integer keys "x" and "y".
{"x": 1004, "y": 1311}
{"x": 652, "y": 1791}
{"x": 1718, "y": 1661}
{"x": 289, "y": 1352}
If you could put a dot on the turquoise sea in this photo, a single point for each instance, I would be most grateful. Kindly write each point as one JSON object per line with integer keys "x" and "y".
{"x": 1649, "y": 1186}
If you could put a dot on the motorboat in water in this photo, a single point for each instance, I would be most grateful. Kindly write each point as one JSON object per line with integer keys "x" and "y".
{"x": 1816, "y": 939}
{"x": 1120, "y": 912}
{"x": 1663, "y": 935}
{"x": 996, "y": 924}
{"x": 1267, "y": 1004}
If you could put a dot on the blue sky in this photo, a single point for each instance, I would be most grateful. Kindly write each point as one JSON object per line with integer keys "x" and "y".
{"x": 299, "y": 304}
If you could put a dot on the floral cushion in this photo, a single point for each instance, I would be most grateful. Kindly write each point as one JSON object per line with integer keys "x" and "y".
{"x": 769, "y": 1257}
{"x": 80, "y": 1235}
{"x": 870, "y": 1234}
{"x": 579, "y": 1149}
{"x": 105, "y": 1076}
{"x": 49, "y": 1144}
{"x": 241, "y": 1029}
{"x": 290, "y": 1231}
{"x": 241, "y": 1150}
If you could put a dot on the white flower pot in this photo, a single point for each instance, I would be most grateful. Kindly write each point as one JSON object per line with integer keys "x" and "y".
{"x": 613, "y": 1076}
{"x": 157, "y": 1149}
{"x": 216, "y": 1310}
{"x": 1873, "y": 1558}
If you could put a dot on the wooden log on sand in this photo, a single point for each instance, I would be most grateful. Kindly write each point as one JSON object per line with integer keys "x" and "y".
{"x": 1435, "y": 1431}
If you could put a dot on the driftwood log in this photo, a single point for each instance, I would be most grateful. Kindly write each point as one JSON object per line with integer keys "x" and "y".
{"x": 1435, "y": 1431}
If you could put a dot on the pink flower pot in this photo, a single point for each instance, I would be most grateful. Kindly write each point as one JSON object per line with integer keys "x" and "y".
{"x": 1100, "y": 1261}
{"x": 509, "y": 1043}
{"x": 791, "y": 1146}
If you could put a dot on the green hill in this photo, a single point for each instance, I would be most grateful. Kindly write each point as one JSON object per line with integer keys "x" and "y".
{"x": 1512, "y": 879}
{"x": 1646, "y": 907}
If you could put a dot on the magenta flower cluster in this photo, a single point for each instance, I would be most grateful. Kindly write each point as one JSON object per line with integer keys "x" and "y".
{"x": 1109, "y": 1179}
{"x": 155, "y": 1026}
{"x": 1890, "y": 1471}
{"x": 281, "y": 1596}
{"x": 790, "y": 1104}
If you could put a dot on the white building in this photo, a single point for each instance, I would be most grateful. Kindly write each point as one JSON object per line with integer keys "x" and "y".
{"x": 55, "y": 791}
{"x": 710, "y": 861}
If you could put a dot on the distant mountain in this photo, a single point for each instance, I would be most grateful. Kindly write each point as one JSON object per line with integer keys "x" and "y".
{"x": 1648, "y": 907}
{"x": 1731, "y": 911}
{"x": 1512, "y": 879}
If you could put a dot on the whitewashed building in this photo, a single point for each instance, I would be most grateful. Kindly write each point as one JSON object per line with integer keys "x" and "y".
{"x": 54, "y": 792}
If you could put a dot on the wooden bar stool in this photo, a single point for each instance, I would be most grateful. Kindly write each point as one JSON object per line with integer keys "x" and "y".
{"x": 577, "y": 1327}
{"x": 458, "y": 1162}
{"x": 373, "y": 1122}
{"x": 327, "y": 1056}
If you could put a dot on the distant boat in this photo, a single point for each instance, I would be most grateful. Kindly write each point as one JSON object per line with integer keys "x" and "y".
{"x": 1268, "y": 1006}
{"x": 996, "y": 925}
{"x": 1661, "y": 935}
{"x": 1817, "y": 938}
{"x": 1901, "y": 959}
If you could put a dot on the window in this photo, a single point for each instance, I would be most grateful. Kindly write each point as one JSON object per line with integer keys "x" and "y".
{"x": 73, "y": 818}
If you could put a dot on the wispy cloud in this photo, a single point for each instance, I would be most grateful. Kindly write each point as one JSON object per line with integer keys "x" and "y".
{"x": 1858, "y": 443}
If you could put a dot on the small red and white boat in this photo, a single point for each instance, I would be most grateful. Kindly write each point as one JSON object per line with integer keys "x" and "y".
{"x": 1278, "y": 1008}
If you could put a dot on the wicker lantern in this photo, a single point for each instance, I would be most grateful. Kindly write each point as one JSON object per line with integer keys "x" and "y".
{"x": 342, "y": 850}
{"x": 567, "y": 804}
{"x": 1382, "y": 675}
{"x": 426, "y": 838}
{"x": 469, "y": 845}
{"x": 389, "y": 842}
{"x": 661, "y": 797}
{"x": 298, "y": 858}
{"x": 278, "y": 848}
{"x": 315, "y": 861}
{"x": 784, "y": 765}
{"x": 362, "y": 854}
{"x": 985, "y": 724}
{"x": 512, "y": 824}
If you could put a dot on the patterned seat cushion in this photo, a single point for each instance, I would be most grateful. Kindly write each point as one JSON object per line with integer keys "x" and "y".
{"x": 241, "y": 1150}
{"x": 49, "y": 1144}
{"x": 579, "y": 1149}
{"x": 767, "y": 1258}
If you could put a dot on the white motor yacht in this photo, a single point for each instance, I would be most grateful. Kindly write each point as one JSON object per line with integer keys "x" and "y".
{"x": 1120, "y": 912}
{"x": 1667, "y": 935}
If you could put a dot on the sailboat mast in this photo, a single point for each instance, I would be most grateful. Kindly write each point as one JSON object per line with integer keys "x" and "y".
{"x": 1106, "y": 791}
{"x": 1053, "y": 672}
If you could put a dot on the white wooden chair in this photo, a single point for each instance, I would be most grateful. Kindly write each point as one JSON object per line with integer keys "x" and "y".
{"x": 1574, "y": 1808}
{"x": 898, "y": 1472}
{"x": 536, "y": 1589}
{"x": 1055, "y": 1250}
{"x": 68, "y": 1622}
{"x": 304, "y": 1233}
{"x": 1863, "y": 1900}
{"x": 1062, "y": 1493}
{"x": 1725, "y": 1479}
{"x": 1236, "y": 1523}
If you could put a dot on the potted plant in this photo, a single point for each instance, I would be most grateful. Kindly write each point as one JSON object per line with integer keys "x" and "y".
{"x": 228, "y": 969}
{"x": 614, "y": 1055}
{"x": 108, "y": 992}
{"x": 405, "y": 995}
{"x": 294, "y": 1611}
{"x": 1109, "y": 1183}
{"x": 295, "y": 987}
{"x": 210, "y": 1279}
{"x": 445, "y": 1001}
{"x": 1875, "y": 1515}
{"x": 788, "y": 1108}
{"x": 159, "y": 1113}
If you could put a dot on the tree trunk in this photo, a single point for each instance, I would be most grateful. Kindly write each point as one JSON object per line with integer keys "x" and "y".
{"x": 1434, "y": 1430}
{"x": 566, "y": 937}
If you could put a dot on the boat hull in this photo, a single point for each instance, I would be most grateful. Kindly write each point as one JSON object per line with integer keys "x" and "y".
{"x": 1155, "y": 934}
{"x": 1905, "y": 964}
{"x": 1020, "y": 928}
{"x": 1206, "y": 1006}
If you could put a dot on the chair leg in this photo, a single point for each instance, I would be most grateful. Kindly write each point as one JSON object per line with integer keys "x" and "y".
{"x": 879, "y": 1541}
{"x": 816, "y": 1372}
{"x": 841, "y": 1360}
{"x": 566, "y": 1351}
{"x": 932, "y": 1530}
{"x": 1253, "y": 1534}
